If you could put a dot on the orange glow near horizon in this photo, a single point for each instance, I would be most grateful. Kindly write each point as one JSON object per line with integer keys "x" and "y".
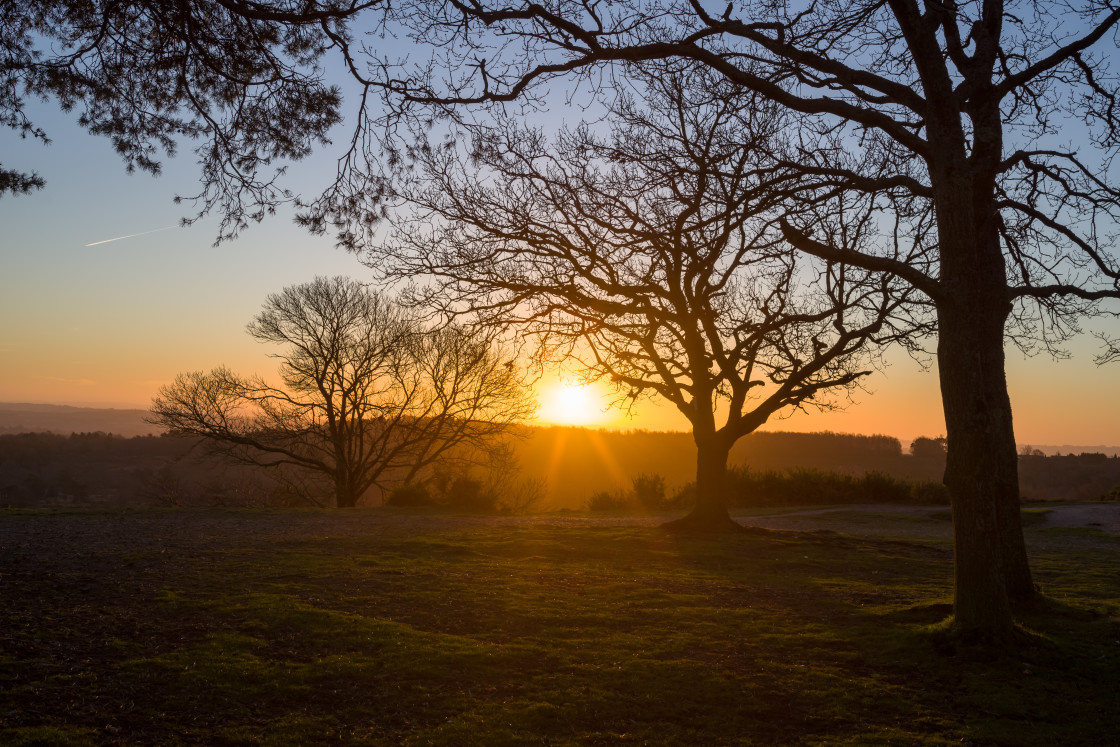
{"x": 120, "y": 359}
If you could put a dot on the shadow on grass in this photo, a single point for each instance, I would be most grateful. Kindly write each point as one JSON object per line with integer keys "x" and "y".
{"x": 533, "y": 634}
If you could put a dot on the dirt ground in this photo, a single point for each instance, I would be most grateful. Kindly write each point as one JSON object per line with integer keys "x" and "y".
{"x": 1102, "y": 516}
{"x": 76, "y": 547}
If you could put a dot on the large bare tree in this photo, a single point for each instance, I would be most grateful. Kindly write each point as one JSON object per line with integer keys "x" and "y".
{"x": 1000, "y": 116}
{"x": 369, "y": 397}
{"x": 651, "y": 256}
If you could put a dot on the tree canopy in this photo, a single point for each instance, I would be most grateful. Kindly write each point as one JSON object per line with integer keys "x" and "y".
{"x": 240, "y": 78}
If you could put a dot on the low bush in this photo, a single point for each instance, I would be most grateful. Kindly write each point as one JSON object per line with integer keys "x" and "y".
{"x": 647, "y": 494}
{"x": 410, "y": 494}
{"x": 460, "y": 490}
{"x": 808, "y": 487}
{"x": 466, "y": 493}
{"x": 814, "y": 487}
{"x": 927, "y": 493}
{"x": 605, "y": 501}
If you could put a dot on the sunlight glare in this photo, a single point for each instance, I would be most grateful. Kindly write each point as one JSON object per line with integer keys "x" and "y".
{"x": 568, "y": 403}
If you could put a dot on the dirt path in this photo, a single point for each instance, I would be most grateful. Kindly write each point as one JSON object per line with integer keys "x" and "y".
{"x": 1102, "y": 516}
{"x": 873, "y": 508}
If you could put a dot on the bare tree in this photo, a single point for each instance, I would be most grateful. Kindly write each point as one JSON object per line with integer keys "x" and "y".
{"x": 959, "y": 105}
{"x": 369, "y": 396}
{"x": 652, "y": 258}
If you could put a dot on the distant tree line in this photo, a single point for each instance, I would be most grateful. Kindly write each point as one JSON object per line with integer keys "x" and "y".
{"x": 100, "y": 469}
{"x": 103, "y": 470}
{"x": 29, "y": 418}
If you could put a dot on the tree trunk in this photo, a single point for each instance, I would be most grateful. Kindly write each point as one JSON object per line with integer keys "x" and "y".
{"x": 1016, "y": 565}
{"x": 710, "y": 512}
{"x": 981, "y": 470}
{"x": 344, "y": 494}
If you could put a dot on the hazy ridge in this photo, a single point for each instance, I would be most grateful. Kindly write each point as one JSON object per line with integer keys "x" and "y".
{"x": 23, "y": 417}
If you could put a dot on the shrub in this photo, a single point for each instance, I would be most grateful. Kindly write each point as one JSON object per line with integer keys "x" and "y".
{"x": 684, "y": 496}
{"x": 410, "y": 494}
{"x": 465, "y": 493}
{"x": 875, "y": 487}
{"x": 927, "y": 492}
{"x": 605, "y": 501}
{"x": 649, "y": 492}
{"x": 521, "y": 497}
{"x": 804, "y": 487}
{"x": 456, "y": 488}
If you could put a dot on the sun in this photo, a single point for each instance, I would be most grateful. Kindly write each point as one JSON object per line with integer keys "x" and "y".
{"x": 569, "y": 403}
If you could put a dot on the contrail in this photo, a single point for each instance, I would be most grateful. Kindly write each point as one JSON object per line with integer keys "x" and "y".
{"x": 132, "y": 235}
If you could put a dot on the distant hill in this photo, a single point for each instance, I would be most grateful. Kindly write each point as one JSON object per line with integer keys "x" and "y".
{"x": 64, "y": 420}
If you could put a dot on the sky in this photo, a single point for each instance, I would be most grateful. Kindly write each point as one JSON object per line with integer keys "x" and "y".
{"x": 92, "y": 322}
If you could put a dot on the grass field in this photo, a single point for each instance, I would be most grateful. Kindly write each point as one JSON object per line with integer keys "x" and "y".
{"x": 377, "y": 627}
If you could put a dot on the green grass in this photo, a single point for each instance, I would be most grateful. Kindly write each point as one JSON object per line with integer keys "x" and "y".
{"x": 526, "y": 633}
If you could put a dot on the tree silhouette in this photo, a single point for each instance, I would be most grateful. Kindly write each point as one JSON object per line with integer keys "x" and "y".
{"x": 652, "y": 257}
{"x": 240, "y": 77}
{"x": 369, "y": 396}
{"x": 956, "y": 109}
{"x": 924, "y": 447}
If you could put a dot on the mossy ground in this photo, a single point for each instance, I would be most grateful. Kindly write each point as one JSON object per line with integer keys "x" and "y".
{"x": 367, "y": 627}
